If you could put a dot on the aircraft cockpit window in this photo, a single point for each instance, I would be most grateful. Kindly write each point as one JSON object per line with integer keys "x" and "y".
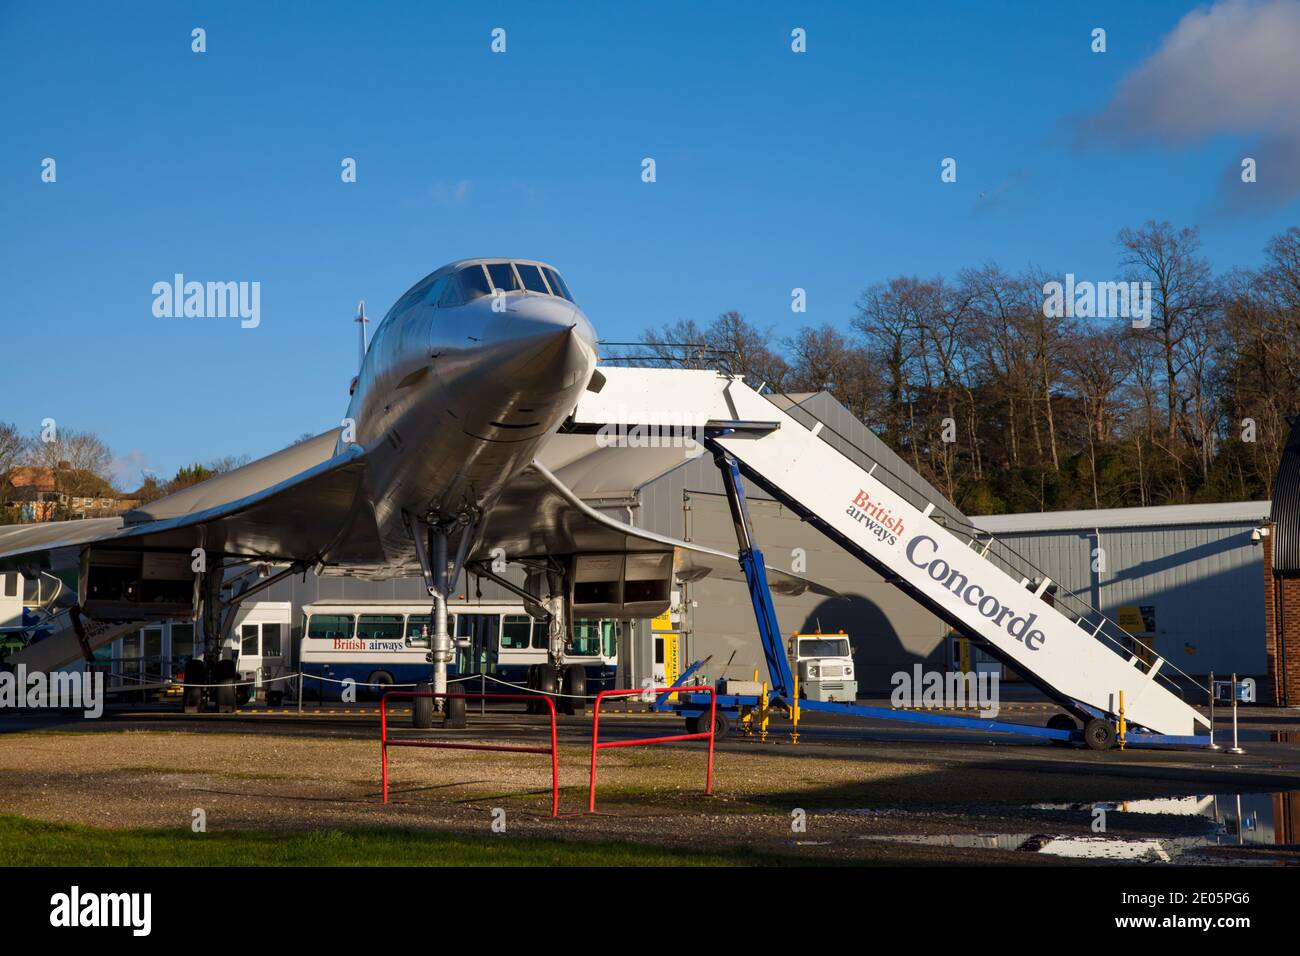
{"x": 473, "y": 283}
{"x": 557, "y": 284}
{"x": 503, "y": 277}
{"x": 532, "y": 278}
{"x": 434, "y": 295}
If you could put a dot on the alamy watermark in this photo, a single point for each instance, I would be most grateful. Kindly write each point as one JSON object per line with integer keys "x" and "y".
{"x": 1098, "y": 300}
{"x": 683, "y": 430}
{"x": 209, "y": 300}
{"x": 37, "y": 690}
{"x": 946, "y": 690}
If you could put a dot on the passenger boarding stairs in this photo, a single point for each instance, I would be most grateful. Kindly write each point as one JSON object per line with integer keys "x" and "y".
{"x": 1080, "y": 659}
{"x": 62, "y": 644}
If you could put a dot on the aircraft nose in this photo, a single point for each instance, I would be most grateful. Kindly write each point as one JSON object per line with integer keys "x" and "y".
{"x": 553, "y": 346}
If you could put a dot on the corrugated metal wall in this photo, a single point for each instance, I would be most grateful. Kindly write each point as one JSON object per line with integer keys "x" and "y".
{"x": 1205, "y": 583}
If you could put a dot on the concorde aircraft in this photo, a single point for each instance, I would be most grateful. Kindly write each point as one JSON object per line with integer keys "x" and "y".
{"x": 438, "y": 465}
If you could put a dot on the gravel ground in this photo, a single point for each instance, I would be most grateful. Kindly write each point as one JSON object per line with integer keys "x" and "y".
{"x": 850, "y": 796}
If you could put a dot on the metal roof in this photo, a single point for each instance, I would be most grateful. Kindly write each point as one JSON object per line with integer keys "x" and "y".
{"x": 1228, "y": 512}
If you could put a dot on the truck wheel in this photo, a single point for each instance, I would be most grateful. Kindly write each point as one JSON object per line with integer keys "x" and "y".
{"x": 1099, "y": 734}
{"x": 422, "y": 707}
{"x": 1062, "y": 722}
{"x": 454, "y": 713}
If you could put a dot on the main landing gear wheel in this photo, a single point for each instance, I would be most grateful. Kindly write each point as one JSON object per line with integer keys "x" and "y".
{"x": 544, "y": 684}
{"x": 1062, "y": 722}
{"x": 196, "y": 673}
{"x": 454, "y": 718}
{"x": 1099, "y": 734}
{"x": 422, "y": 707}
{"x": 575, "y": 688}
{"x": 224, "y": 676}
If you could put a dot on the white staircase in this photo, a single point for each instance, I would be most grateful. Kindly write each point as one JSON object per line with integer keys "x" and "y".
{"x": 62, "y": 646}
{"x": 945, "y": 571}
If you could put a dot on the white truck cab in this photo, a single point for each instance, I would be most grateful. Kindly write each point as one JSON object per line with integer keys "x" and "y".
{"x": 824, "y": 665}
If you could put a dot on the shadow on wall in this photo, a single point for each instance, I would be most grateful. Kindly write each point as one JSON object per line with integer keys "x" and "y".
{"x": 878, "y": 651}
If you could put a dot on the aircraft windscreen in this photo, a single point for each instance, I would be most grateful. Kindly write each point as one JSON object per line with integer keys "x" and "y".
{"x": 532, "y": 278}
{"x": 557, "y": 284}
{"x": 473, "y": 282}
{"x": 503, "y": 277}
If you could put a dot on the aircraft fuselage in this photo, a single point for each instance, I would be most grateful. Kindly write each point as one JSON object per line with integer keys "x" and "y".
{"x": 453, "y": 400}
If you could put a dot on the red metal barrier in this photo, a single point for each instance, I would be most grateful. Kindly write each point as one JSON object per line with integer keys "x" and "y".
{"x": 596, "y": 744}
{"x": 553, "y": 749}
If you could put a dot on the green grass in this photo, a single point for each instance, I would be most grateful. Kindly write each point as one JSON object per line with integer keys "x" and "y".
{"x": 25, "y": 842}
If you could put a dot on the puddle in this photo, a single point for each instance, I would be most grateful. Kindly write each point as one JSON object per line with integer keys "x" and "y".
{"x": 1232, "y": 818}
{"x": 1216, "y": 820}
{"x": 1095, "y": 848}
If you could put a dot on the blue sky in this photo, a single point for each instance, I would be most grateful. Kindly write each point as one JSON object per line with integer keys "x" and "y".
{"x": 775, "y": 170}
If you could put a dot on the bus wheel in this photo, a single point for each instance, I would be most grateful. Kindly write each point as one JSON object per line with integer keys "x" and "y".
{"x": 422, "y": 707}
{"x": 575, "y": 688}
{"x": 195, "y": 673}
{"x": 454, "y": 715}
{"x": 379, "y": 683}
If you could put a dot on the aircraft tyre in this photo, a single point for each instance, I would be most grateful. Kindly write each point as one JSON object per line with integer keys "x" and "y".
{"x": 454, "y": 713}
{"x": 575, "y": 688}
{"x": 422, "y": 707}
{"x": 195, "y": 673}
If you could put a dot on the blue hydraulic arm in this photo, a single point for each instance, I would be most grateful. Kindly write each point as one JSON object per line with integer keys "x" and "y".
{"x": 751, "y": 562}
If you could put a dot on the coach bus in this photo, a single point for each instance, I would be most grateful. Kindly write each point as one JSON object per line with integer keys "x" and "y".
{"x": 379, "y": 644}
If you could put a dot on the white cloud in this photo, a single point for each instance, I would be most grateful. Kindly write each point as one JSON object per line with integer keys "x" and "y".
{"x": 451, "y": 194}
{"x": 1231, "y": 68}
{"x": 129, "y": 469}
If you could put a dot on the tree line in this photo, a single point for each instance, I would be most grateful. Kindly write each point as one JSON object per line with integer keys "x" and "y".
{"x": 1007, "y": 406}
{"x": 80, "y": 465}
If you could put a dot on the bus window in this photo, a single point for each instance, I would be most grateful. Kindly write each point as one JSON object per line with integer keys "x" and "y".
{"x": 586, "y": 638}
{"x": 329, "y": 625}
{"x": 515, "y": 629}
{"x": 541, "y": 635}
{"x": 248, "y": 640}
{"x": 416, "y": 635}
{"x": 609, "y": 639}
{"x": 380, "y": 626}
